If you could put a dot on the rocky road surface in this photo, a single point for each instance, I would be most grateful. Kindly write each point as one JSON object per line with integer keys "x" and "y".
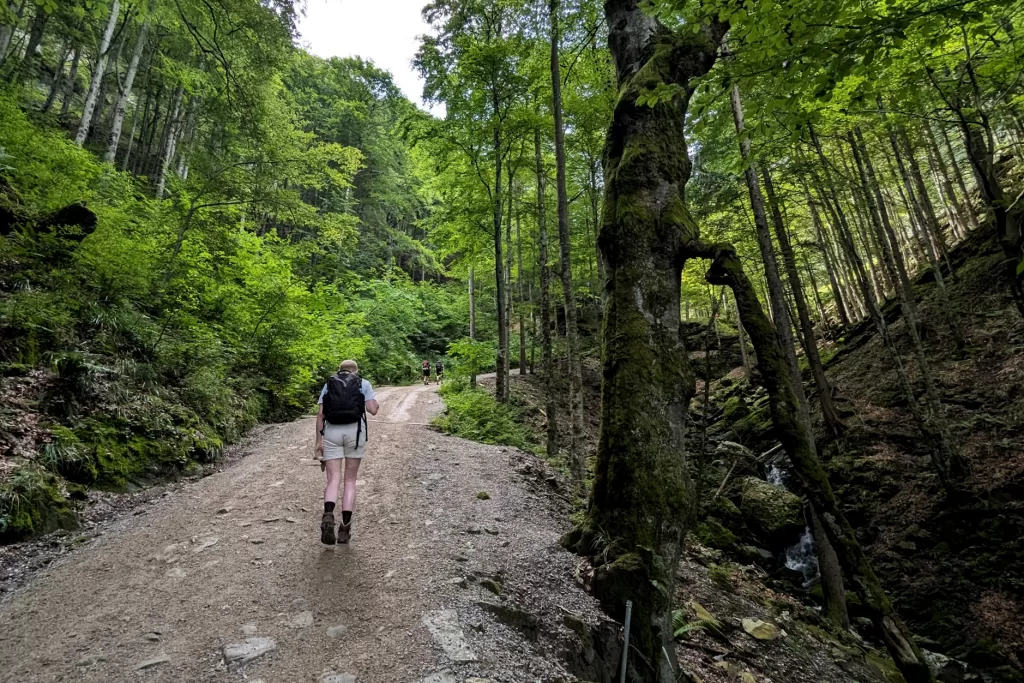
{"x": 454, "y": 573}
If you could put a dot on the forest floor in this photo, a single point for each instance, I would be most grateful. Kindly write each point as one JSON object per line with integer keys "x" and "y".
{"x": 440, "y": 584}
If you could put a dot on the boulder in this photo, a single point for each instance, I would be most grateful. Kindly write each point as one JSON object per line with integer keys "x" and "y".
{"x": 761, "y": 630}
{"x": 774, "y": 514}
{"x": 713, "y": 534}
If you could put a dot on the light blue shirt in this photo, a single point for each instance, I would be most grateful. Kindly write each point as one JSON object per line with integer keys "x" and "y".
{"x": 366, "y": 390}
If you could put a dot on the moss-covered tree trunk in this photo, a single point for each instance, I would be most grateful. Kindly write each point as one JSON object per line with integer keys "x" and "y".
{"x": 642, "y": 500}
{"x": 796, "y": 440}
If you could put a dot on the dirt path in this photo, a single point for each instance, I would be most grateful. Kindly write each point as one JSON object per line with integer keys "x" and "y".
{"x": 237, "y": 555}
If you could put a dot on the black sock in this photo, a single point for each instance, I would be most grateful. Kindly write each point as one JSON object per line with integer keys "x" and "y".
{"x": 346, "y": 517}
{"x": 328, "y": 507}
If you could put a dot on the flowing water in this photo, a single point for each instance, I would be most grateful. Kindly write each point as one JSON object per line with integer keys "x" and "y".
{"x": 800, "y": 556}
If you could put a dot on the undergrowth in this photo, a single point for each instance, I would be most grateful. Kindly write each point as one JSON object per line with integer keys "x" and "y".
{"x": 474, "y": 414}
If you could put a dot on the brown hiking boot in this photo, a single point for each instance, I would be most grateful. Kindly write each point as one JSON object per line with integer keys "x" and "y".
{"x": 327, "y": 529}
{"x": 344, "y": 532}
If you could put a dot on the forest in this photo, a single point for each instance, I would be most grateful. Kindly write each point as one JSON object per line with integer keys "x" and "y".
{"x": 715, "y": 238}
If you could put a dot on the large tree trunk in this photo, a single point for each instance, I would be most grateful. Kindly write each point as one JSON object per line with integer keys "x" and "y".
{"x": 114, "y": 138}
{"x": 577, "y": 456}
{"x": 796, "y": 440}
{"x": 98, "y": 70}
{"x": 547, "y": 357}
{"x": 643, "y": 500}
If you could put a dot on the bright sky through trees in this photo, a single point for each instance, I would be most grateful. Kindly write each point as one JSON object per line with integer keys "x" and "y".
{"x": 383, "y": 31}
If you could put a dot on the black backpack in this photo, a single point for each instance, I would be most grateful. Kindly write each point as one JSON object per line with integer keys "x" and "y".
{"x": 344, "y": 402}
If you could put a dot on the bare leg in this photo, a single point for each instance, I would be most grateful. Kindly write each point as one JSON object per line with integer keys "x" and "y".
{"x": 348, "y": 504}
{"x": 333, "y": 480}
{"x": 327, "y": 534}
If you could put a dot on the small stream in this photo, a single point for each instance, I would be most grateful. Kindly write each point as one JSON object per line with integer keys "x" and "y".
{"x": 800, "y": 556}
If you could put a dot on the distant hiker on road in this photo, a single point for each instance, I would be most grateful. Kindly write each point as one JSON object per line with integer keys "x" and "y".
{"x": 341, "y": 435}
{"x": 438, "y": 371}
{"x": 426, "y": 371}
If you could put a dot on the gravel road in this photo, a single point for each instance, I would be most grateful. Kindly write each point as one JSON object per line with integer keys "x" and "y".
{"x": 453, "y": 573}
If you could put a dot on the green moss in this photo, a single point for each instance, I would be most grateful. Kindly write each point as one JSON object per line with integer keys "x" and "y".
{"x": 722, "y": 576}
{"x": 756, "y": 426}
{"x": 884, "y": 667}
{"x": 730, "y": 515}
{"x": 711, "y": 533}
{"x": 735, "y": 410}
{"x": 31, "y": 503}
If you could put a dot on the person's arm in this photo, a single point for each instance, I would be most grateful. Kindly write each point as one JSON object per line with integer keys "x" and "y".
{"x": 372, "y": 406}
{"x": 318, "y": 450}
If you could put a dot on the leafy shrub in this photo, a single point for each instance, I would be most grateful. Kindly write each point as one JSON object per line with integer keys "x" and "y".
{"x": 474, "y": 414}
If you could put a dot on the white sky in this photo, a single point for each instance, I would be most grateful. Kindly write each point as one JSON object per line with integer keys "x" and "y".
{"x": 382, "y": 31}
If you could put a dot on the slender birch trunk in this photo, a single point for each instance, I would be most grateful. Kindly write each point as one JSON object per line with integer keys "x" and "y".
{"x": 114, "y": 138}
{"x": 98, "y": 71}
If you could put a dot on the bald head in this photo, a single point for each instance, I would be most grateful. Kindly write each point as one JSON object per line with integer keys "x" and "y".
{"x": 349, "y": 366}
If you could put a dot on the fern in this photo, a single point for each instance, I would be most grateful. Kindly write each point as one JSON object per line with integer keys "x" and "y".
{"x": 682, "y": 627}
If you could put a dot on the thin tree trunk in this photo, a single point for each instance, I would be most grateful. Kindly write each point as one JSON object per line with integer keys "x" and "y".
{"x": 972, "y": 214}
{"x": 748, "y": 371}
{"x": 826, "y": 252}
{"x": 69, "y": 88}
{"x": 98, "y": 71}
{"x": 7, "y": 30}
{"x": 954, "y": 210}
{"x": 595, "y": 216}
{"x": 577, "y": 456}
{"x": 547, "y": 357}
{"x": 819, "y": 305}
{"x": 29, "y": 64}
{"x": 472, "y": 321}
{"x": 58, "y": 79}
{"x": 114, "y": 138}
{"x": 830, "y": 415}
{"x": 931, "y": 235}
{"x": 501, "y": 383}
{"x": 170, "y": 141}
{"x": 522, "y": 299}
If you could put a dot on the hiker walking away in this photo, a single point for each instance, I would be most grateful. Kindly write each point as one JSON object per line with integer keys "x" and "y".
{"x": 426, "y": 371}
{"x": 341, "y": 434}
{"x": 438, "y": 371}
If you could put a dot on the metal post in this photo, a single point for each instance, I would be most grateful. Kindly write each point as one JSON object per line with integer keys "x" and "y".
{"x": 625, "y": 640}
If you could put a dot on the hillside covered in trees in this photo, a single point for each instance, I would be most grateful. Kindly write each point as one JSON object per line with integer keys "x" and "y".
{"x": 784, "y": 238}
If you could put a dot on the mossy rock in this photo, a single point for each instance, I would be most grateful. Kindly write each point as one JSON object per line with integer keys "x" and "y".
{"x": 31, "y": 504}
{"x": 713, "y": 534}
{"x": 730, "y": 516}
{"x": 755, "y": 427}
{"x": 735, "y": 410}
{"x": 774, "y": 514}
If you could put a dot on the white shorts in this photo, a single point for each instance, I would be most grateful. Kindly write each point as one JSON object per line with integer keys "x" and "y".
{"x": 340, "y": 441}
